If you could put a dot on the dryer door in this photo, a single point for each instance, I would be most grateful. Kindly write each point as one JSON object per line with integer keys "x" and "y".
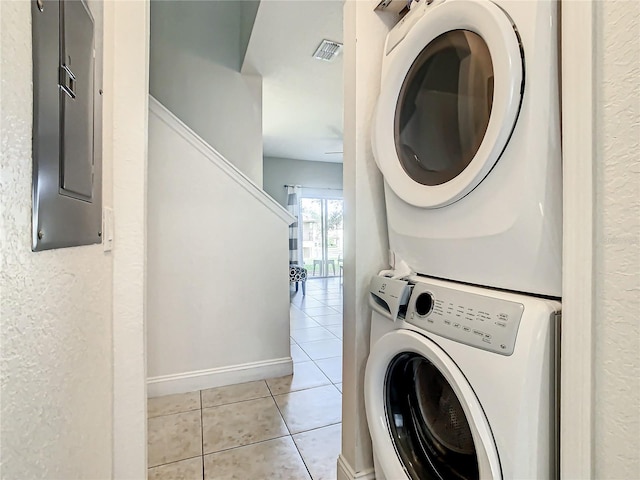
{"x": 449, "y": 100}
{"x": 425, "y": 420}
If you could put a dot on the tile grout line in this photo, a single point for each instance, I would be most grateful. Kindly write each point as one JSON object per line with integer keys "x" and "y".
{"x": 237, "y": 401}
{"x": 201, "y": 433}
{"x": 175, "y": 461}
{"x": 273, "y": 397}
{"x": 290, "y": 434}
{"x": 323, "y": 372}
{"x": 271, "y": 393}
{"x": 249, "y": 444}
{"x": 324, "y": 291}
{"x": 316, "y": 360}
{"x": 269, "y": 388}
{"x": 318, "y": 428}
{"x": 174, "y": 413}
{"x": 304, "y": 390}
{"x": 318, "y": 341}
{"x": 321, "y": 326}
{"x": 302, "y": 458}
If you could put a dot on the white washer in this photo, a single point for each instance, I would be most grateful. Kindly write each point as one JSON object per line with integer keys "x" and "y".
{"x": 467, "y": 136}
{"x": 463, "y": 385}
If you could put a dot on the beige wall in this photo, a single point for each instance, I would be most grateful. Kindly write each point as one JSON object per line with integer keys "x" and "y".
{"x": 617, "y": 243}
{"x": 55, "y": 306}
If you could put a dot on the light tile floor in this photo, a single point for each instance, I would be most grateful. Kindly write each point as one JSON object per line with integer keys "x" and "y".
{"x": 284, "y": 428}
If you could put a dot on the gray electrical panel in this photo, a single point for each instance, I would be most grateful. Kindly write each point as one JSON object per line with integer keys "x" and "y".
{"x": 67, "y": 126}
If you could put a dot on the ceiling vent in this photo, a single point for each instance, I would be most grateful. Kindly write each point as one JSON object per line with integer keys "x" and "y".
{"x": 328, "y": 50}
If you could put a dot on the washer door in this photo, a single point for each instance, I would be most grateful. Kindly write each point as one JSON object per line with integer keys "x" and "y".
{"x": 424, "y": 418}
{"x": 448, "y": 102}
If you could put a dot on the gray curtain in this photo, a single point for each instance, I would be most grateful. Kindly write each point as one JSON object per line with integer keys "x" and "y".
{"x": 295, "y": 229}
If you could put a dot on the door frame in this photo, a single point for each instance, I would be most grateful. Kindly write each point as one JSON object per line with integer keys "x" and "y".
{"x": 312, "y": 193}
{"x": 577, "y": 430}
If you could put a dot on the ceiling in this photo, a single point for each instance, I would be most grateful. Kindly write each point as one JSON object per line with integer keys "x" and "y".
{"x": 301, "y": 96}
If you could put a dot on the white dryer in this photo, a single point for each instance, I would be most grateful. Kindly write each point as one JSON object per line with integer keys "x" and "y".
{"x": 466, "y": 134}
{"x": 460, "y": 382}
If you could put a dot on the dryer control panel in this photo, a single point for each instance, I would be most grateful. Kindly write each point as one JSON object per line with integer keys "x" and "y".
{"x": 483, "y": 322}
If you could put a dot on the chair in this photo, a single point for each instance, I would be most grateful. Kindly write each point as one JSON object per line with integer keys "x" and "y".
{"x": 317, "y": 263}
{"x": 333, "y": 266}
{"x": 320, "y": 263}
{"x": 298, "y": 274}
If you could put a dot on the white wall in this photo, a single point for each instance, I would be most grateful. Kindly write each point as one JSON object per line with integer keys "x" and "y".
{"x": 194, "y": 72}
{"x": 366, "y": 241}
{"x": 218, "y": 298}
{"x": 617, "y": 260}
{"x": 285, "y": 171}
{"x": 55, "y": 306}
{"x": 248, "y": 13}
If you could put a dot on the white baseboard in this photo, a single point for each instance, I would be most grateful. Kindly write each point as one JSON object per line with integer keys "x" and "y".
{"x": 218, "y": 377}
{"x": 346, "y": 472}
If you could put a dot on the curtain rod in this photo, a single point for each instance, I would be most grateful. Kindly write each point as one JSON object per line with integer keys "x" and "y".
{"x": 316, "y": 188}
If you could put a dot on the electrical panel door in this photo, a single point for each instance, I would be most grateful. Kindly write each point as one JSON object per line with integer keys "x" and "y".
{"x": 67, "y": 180}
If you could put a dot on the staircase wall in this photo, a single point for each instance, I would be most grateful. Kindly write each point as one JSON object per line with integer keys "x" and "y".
{"x": 218, "y": 288}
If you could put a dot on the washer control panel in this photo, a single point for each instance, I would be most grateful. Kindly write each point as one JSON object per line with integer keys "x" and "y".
{"x": 483, "y": 322}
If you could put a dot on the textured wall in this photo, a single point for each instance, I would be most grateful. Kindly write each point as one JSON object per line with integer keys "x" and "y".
{"x": 617, "y": 333}
{"x": 280, "y": 171}
{"x": 55, "y": 308}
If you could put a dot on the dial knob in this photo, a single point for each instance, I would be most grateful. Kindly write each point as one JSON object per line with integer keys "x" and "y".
{"x": 424, "y": 303}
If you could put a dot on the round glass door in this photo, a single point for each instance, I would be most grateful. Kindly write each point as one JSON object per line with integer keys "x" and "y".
{"x": 429, "y": 428}
{"x": 444, "y": 107}
{"x": 449, "y": 100}
{"x": 424, "y": 418}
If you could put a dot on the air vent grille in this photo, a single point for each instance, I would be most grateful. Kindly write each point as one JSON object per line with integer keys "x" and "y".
{"x": 327, "y": 50}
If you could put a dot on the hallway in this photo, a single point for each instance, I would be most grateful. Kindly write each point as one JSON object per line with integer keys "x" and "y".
{"x": 286, "y": 428}
{"x": 316, "y": 328}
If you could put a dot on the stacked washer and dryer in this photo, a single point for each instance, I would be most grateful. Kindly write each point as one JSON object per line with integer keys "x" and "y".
{"x": 461, "y": 379}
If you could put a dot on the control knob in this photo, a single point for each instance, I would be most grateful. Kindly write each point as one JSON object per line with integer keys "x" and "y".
{"x": 424, "y": 304}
